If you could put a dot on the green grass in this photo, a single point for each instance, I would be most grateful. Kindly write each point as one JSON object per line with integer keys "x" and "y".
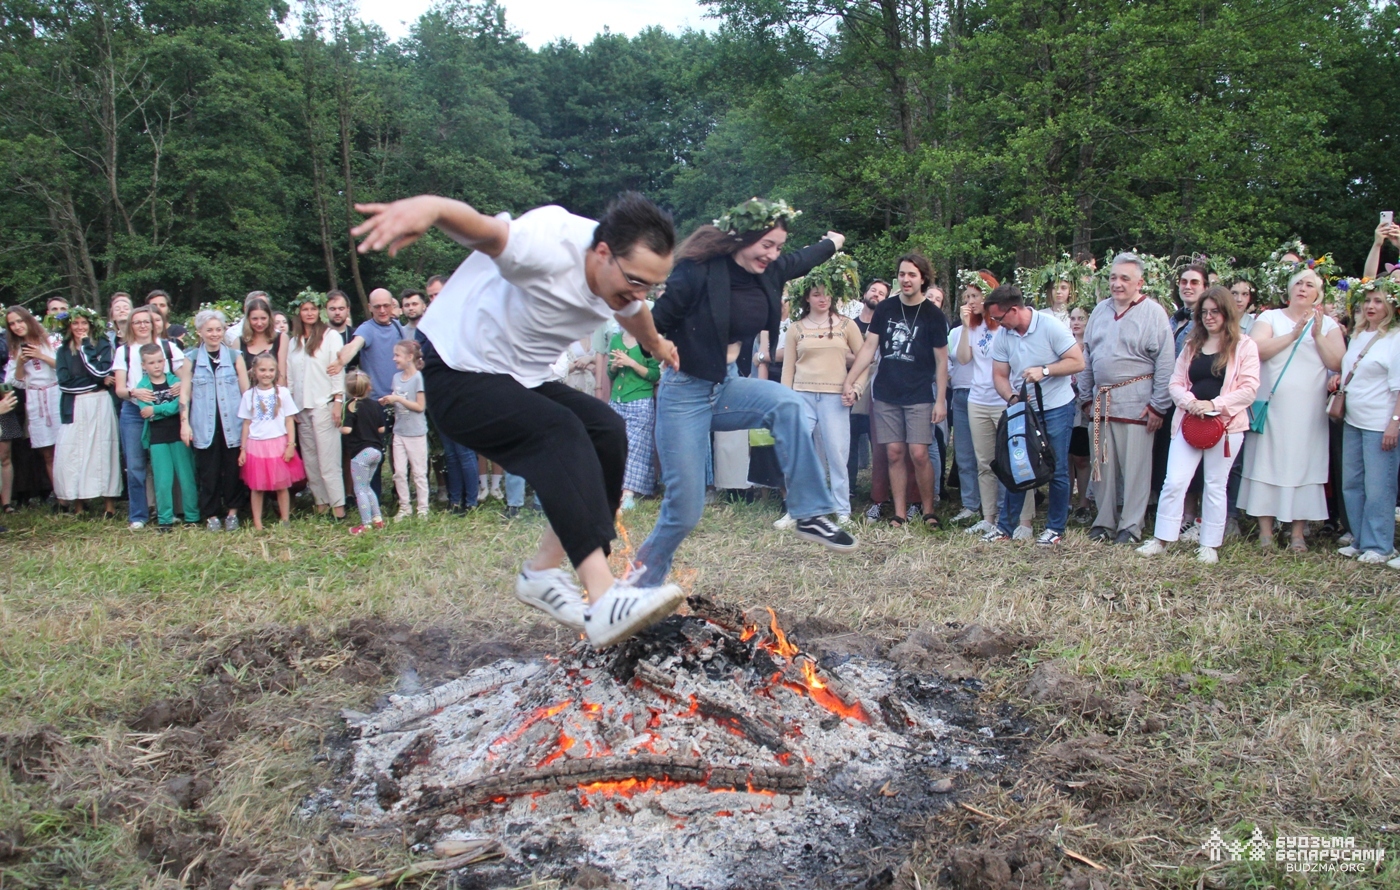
{"x": 1275, "y": 679}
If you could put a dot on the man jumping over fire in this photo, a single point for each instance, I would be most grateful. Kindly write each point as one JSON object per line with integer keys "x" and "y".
{"x": 531, "y": 287}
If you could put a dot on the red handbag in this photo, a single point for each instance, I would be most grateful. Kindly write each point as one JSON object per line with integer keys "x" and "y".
{"x": 1204, "y": 432}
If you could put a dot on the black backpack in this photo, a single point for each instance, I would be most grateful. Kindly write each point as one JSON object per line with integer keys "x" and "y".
{"x": 1024, "y": 458}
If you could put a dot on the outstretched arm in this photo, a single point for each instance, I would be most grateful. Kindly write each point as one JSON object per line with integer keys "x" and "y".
{"x": 396, "y": 225}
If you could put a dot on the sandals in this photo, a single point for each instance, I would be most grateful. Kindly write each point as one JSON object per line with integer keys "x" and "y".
{"x": 898, "y": 521}
{"x": 8, "y": 508}
{"x": 1298, "y": 547}
{"x": 931, "y": 522}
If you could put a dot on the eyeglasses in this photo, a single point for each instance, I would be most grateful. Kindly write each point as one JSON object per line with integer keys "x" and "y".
{"x": 637, "y": 284}
{"x": 1206, "y": 313}
{"x": 995, "y": 318}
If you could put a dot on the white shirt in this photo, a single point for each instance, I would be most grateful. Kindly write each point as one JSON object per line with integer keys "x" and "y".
{"x": 306, "y": 374}
{"x": 267, "y": 411}
{"x": 119, "y": 359}
{"x": 959, "y": 375}
{"x": 1371, "y": 392}
{"x": 982, "y": 390}
{"x": 514, "y": 314}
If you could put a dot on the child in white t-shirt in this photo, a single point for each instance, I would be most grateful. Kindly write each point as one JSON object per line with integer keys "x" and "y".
{"x": 269, "y": 457}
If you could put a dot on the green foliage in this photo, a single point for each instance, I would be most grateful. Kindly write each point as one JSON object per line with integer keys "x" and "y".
{"x": 213, "y": 147}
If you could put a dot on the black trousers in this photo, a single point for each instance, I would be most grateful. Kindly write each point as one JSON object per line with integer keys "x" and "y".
{"x": 570, "y": 446}
{"x": 221, "y": 487}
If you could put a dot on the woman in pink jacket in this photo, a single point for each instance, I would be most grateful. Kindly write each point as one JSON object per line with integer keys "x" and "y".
{"x": 1217, "y": 374}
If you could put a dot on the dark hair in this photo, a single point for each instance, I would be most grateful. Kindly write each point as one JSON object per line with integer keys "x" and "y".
{"x": 338, "y": 293}
{"x": 1008, "y": 295}
{"x": 631, "y": 219}
{"x": 1230, "y": 334}
{"x": 436, "y": 279}
{"x": 708, "y": 242}
{"x": 308, "y": 335}
{"x": 412, "y": 292}
{"x": 877, "y": 281}
{"x": 918, "y": 261}
{"x": 150, "y": 349}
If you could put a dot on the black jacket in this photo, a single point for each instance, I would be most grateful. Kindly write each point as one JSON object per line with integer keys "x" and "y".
{"x": 694, "y": 311}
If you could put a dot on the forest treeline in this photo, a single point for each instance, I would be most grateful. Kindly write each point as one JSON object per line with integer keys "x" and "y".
{"x": 210, "y": 147}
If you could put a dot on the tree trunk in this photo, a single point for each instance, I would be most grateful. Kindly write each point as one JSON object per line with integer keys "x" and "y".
{"x": 345, "y": 124}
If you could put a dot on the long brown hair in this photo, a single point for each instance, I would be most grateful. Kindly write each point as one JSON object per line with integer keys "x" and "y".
{"x": 33, "y": 334}
{"x": 708, "y": 242}
{"x": 1230, "y": 334}
{"x": 309, "y": 338}
{"x": 254, "y": 305}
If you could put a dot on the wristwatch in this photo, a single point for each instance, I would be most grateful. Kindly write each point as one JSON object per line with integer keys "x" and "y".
{"x": 1395, "y": 418}
{"x": 1045, "y": 370}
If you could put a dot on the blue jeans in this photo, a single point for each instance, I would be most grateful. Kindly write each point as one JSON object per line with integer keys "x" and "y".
{"x": 688, "y": 409}
{"x": 515, "y": 490}
{"x": 130, "y": 425}
{"x": 1368, "y": 488}
{"x": 834, "y": 427}
{"x": 967, "y": 454}
{"x": 1059, "y": 423}
{"x": 461, "y": 473}
{"x": 364, "y": 467}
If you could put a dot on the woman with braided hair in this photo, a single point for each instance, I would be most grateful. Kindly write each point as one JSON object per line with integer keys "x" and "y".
{"x": 727, "y": 287}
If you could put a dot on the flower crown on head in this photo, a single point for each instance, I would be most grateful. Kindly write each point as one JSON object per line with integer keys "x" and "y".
{"x": 1354, "y": 290}
{"x": 756, "y": 215}
{"x": 972, "y": 278}
{"x": 307, "y": 296}
{"x": 838, "y": 276}
{"x": 59, "y": 322}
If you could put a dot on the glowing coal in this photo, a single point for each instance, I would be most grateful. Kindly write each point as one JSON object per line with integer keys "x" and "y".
{"x": 708, "y": 741}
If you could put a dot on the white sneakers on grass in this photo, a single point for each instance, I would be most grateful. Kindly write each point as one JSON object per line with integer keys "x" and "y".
{"x": 964, "y": 514}
{"x": 1023, "y": 533}
{"x": 1349, "y": 551}
{"x": 981, "y": 528}
{"x": 625, "y": 610}
{"x": 785, "y": 522}
{"x": 1153, "y": 547}
{"x": 554, "y": 593}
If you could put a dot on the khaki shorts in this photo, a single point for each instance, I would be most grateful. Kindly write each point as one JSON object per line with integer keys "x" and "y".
{"x": 910, "y": 424}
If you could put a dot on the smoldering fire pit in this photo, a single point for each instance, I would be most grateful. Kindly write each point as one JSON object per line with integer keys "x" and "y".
{"x": 709, "y": 752}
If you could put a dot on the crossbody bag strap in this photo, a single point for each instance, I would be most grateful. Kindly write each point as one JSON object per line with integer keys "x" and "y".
{"x": 1296, "y": 344}
{"x": 1357, "y": 364}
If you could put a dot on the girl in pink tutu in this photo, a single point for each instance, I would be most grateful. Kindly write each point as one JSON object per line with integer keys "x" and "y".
{"x": 269, "y": 457}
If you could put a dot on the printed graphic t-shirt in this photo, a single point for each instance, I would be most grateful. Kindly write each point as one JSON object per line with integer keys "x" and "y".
{"x": 908, "y": 337}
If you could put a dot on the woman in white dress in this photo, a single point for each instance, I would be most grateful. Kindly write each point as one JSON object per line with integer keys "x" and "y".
{"x": 87, "y": 459}
{"x": 1285, "y": 466}
{"x": 31, "y": 368}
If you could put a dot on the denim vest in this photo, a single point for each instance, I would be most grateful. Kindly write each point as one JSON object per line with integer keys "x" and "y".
{"x": 211, "y": 387}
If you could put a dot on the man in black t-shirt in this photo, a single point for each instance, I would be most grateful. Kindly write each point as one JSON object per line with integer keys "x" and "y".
{"x": 911, "y": 388}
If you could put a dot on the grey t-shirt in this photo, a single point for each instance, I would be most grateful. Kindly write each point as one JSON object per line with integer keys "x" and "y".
{"x": 406, "y": 421}
{"x": 1044, "y": 343}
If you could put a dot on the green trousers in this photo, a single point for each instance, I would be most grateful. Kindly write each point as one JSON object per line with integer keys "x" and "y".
{"x": 169, "y": 464}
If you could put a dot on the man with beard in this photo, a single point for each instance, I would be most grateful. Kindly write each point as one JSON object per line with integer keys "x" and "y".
{"x": 414, "y": 305}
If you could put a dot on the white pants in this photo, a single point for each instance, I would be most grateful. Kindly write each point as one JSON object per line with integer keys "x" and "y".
{"x": 319, "y": 438}
{"x": 1181, "y": 468}
{"x": 411, "y": 453}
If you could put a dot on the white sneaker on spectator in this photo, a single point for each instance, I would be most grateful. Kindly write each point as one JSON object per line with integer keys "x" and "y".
{"x": 843, "y": 519}
{"x": 1348, "y": 551}
{"x": 785, "y": 523}
{"x": 872, "y": 513}
{"x": 554, "y": 593}
{"x": 965, "y": 514}
{"x": 1347, "y": 539}
{"x": 1206, "y": 554}
{"x": 1153, "y": 547}
{"x": 1371, "y": 557}
{"x": 1394, "y": 563}
{"x": 1023, "y": 533}
{"x": 625, "y": 610}
{"x": 913, "y": 513}
{"x": 136, "y": 526}
{"x": 1191, "y": 532}
{"x": 981, "y": 528}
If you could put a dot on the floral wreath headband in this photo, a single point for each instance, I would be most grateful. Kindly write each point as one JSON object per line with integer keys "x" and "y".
{"x": 972, "y": 278}
{"x": 756, "y": 215}
{"x": 1036, "y": 283}
{"x": 307, "y": 296}
{"x": 59, "y": 322}
{"x": 1354, "y": 290}
{"x": 838, "y": 276}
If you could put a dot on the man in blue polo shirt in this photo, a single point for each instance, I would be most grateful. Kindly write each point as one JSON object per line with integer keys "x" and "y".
{"x": 374, "y": 343}
{"x": 1035, "y": 347}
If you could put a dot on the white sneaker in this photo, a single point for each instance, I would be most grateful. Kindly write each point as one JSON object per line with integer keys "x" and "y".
{"x": 786, "y": 522}
{"x": 554, "y": 593}
{"x": 1394, "y": 563}
{"x": 1153, "y": 547}
{"x": 843, "y": 519}
{"x": 402, "y": 515}
{"x": 1205, "y": 554}
{"x": 965, "y": 514}
{"x": 1191, "y": 532}
{"x": 981, "y": 528}
{"x": 1371, "y": 557}
{"x": 1348, "y": 551}
{"x": 1347, "y": 539}
{"x": 625, "y": 610}
{"x": 1022, "y": 533}
{"x": 137, "y": 526}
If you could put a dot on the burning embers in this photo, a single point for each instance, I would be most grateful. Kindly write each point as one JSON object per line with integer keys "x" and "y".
{"x": 706, "y": 738}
